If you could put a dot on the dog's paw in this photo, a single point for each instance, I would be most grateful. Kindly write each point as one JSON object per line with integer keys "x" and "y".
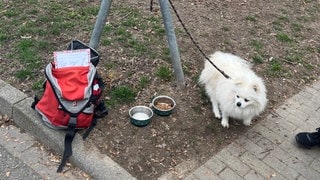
{"x": 217, "y": 113}
{"x": 225, "y": 123}
{"x": 218, "y": 116}
{"x": 247, "y": 122}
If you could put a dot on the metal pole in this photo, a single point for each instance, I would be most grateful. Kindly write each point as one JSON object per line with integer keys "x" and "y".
{"x": 173, "y": 46}
{"x": 100, "y": 22}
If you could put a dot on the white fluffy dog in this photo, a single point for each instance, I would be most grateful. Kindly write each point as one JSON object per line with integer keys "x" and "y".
{"x": 241, "y": 97}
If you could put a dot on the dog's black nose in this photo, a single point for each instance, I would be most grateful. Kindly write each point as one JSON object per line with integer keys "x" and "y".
{"x": 238, "y": 104}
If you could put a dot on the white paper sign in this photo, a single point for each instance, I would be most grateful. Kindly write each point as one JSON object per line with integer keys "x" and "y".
{"x": 71, "y": 58}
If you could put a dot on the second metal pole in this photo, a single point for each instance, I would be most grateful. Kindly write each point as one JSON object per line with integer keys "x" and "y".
{"x": 173, "y": 46}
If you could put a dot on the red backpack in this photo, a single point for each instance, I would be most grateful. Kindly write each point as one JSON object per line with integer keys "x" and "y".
{"x": 71, "y": 99}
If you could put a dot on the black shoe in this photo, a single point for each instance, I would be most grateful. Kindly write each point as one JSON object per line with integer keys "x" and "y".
{"x": 308, "y": 140}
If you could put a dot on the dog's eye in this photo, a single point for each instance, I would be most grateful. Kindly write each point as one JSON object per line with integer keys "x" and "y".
{"x": 238, "y": 96}
{"x": 246, "y": 100}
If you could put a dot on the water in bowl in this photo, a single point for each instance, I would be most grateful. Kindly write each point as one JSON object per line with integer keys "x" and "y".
{"x": 140, "y": 116}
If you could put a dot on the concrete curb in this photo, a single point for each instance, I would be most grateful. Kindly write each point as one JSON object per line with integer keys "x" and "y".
{"x": 16, "y": 105}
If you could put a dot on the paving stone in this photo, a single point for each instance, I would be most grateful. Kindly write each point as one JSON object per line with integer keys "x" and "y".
{"x": 282, "y": 111}
{"x": 300, "y": 165}
{"x": 301, "y": 178}
{"x": 315, "y": 165}
{"x": 300, "y": 154}
{"x": 253, "y": 175}
{"x": 253, "y": 135}
{"x": 215, "y": 165}
{"x": 204, "y": 173}
{"x": 299, "y": 122}
{"x": 258, "y": 165}
{"x": 18, "y": 143}
{"x": 280, "y": 167}
{"x": 316, "y": 86}
{"x": 305, "y": 171}
{"x": 191, "y": 177}
{"x": 233, "y": 162}
{"x": 278, "y": 123}
{"x": 267, "y": 133}
{"x": 236, "y": 148}
{"x": 228, "y": 174}
{"x": 245, "y": 143}
{"x": 267, "y": 145}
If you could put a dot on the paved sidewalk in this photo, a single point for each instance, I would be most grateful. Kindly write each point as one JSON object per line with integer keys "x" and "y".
{"x": 268, "y": 150}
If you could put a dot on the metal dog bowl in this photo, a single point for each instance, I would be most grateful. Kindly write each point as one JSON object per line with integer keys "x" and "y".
{"x": 163, "y": 105}
{"x": 140, "y": 115}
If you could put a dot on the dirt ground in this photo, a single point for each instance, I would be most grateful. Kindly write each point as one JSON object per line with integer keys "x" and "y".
{"x": 192, "y": 133}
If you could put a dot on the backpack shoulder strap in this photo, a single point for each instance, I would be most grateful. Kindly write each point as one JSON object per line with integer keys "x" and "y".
{"x": 71, "y": 131}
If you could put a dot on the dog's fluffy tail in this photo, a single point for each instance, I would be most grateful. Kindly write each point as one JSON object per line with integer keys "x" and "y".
{"x": 227, "y": 62}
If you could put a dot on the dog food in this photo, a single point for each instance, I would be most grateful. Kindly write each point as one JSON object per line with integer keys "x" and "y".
{"x": 163, "y": 106}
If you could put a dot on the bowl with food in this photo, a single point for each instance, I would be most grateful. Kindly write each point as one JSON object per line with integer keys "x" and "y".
{"x": 140, "y": 115}
{"x": 163, "y": 105}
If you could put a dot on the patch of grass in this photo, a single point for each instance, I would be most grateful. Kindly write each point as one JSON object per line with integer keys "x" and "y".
{"x": 28, "y": 52}
{"x": 251, "y": 18}
{"x": 296, "y": 27}
{"x": 186, "y": 68}
{"x": 132, "y": 21}
{"x": 293, "y": 57}
{"x": 38, "y": 85}
{"x": 123, "y": 35}
{"x": 275, "y": 67}
{"x": 12, "y": 12}
{"x": 279, "y": 23}
{"x": 284, "y": 37}
{"x": 308, "y": 66}
{"x": 256, "y": 44}
{"x": 110, "y": 65}
{"x": 138, "y": 47}
{"x": 3, "y": 36}
{"x": 144, "y": 80}
{"x": 165, "y": 54}
{"x": 121, "y": 94}
{"x": 283, "y": 19}
{"x": 257, "y": 59}
{"x": 297, "y": 57}
{"x": 226, "y": 42}
{"x": 87, "y": 12}
{"x": 164, "y": 73}
{"x": 303, "y": 19}
{"x": 24, "y": 73}
{"x": 106, "y": 42}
